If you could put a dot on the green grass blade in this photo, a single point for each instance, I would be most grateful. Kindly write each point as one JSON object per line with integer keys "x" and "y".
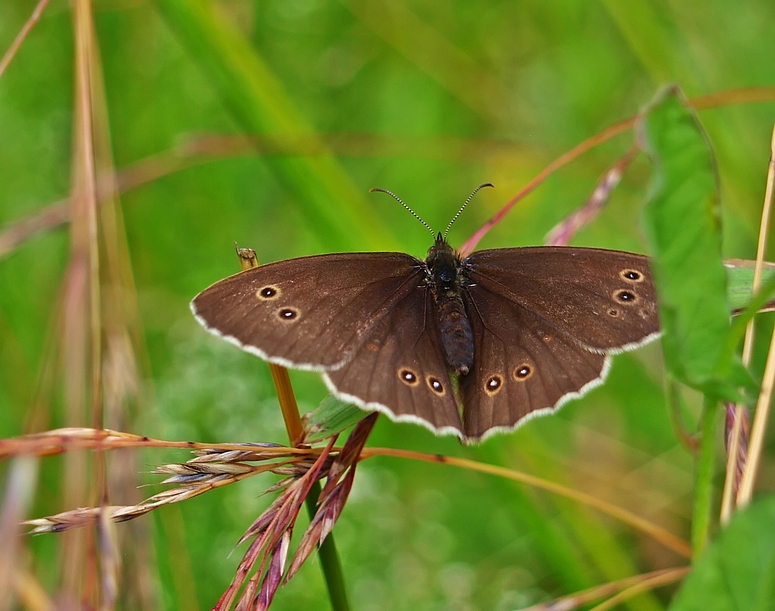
{"x": 257, "y": 101}
{"x": 648, "y": 36}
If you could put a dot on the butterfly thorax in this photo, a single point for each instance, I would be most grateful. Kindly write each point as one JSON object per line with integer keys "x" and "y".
{"x": 445, "y": 282}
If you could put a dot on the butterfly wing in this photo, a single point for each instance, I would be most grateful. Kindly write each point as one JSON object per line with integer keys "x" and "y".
{"x": 543, "y": 320}
{"x": 523, "y": 366}
{"x": 603, "y": 299}
{"x": 311, "y": 312}
{"x": 399, "y": 369}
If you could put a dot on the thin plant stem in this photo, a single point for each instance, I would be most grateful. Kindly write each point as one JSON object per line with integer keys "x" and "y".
{"x": 763, "y": 405}
{"x": 287, "y": 400}
{"x": 656, "y": 580}
{"x": 703, "y": 482}
{"x": 667, "y": 539}
{"x": 714, "y": 100}
{"x": 728, "y": 499}
{"x": 329, "y": 558}
{"x": 280, "y": 377}
{"x": 674, "y": 403}
{"x": 733, "y": 449}
{"x": 17, "y": 42}
{"x": 614, "y": 588}
{"x": 757, "y": 430}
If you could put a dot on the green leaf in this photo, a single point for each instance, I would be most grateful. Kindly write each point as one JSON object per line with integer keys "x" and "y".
{"x": 740, "y": 281}
{"x": 737, "y": 571}
{"x": 683, "y": 228}
{"x": 747, "y": 304}
{"x": 332, "y": 416}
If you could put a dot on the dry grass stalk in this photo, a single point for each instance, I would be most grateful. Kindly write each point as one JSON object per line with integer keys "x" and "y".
{"x": 272, "y": 531}
{"x": 262, "y": 569}
{"x": 17, "y": 497}
{"x": 626, "y": 586}
{"x": 22, "y": 35}
{"x": 59, "y": 441}
{"x": 761, "y": 415}
{"x": 736, "y": 435}
{"x": 211, "y": 469}
{"x": 563, "y": 232}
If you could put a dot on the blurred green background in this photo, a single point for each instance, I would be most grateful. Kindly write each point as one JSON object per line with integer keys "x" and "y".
{"x": 428, "y": 100}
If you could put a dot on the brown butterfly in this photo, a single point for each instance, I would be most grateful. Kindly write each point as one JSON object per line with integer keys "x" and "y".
{"x": 466, "y": 346}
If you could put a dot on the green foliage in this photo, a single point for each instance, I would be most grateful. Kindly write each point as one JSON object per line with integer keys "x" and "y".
{"x": 740, "y": 282}
{"x": 683, "y": 226}
{"x": 737, "y": 572}
{"x": 332, "y": 416}
{"x": 427, "y": 99}
{"x": 257, "y": 100}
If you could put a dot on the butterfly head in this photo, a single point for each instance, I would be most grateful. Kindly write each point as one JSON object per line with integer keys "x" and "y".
{"x": 443, "y": 264}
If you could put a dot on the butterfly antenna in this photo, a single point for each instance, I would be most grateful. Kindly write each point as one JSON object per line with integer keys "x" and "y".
{"x": 400, "y": 201}
{"x": 465, "y": 203}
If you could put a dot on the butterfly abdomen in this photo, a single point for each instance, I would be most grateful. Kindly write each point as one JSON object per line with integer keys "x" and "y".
{"x": 457, "y": 339}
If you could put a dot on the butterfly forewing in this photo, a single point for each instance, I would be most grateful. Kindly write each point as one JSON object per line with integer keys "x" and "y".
{"x": 524, "y": 366}
{"x": 399, "y": 368}
{"x": 310, "y": 312}
{"x": 603, "y": 299}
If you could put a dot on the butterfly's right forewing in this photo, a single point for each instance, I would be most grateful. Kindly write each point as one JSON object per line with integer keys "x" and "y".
{"x": 310, "y": 312}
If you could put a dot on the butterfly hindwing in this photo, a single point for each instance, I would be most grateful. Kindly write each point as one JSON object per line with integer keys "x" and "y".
{"x": 523, "y": 365}
{"x": 399, "y": 369}
{"x": 310, "y": 312}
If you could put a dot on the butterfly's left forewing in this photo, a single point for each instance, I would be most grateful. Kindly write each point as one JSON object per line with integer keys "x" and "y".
{"x": 603, "y": 299}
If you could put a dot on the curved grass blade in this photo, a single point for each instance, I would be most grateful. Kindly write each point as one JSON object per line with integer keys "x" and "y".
{"x": 257, "y": 100}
